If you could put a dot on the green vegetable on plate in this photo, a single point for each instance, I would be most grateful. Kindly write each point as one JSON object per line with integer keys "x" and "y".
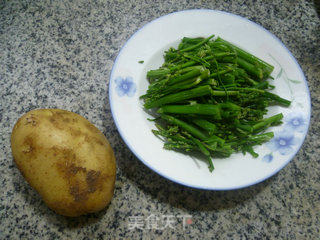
{"x": 210, "y": 97}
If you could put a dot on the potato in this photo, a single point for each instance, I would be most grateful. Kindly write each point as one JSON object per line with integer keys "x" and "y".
{"x": 66, "y": 159}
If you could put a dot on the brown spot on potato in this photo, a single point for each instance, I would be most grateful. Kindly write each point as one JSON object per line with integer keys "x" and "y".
{"x": 66, "y": 120}
{"x": 27, "y": 149}
{"x": 92, "y": 140}
{"x": 81, "y": 191}
{"x": 31, "y": 119}
{"x": 75, "y": 132}
{"x": 57, "y": 124}
{"x": 97, "y": 140}
{"x": 28, "y": 145}
{"x": 62, "y": 115}
{"x": 65, "y": 162}
{"x": 66, "y": 153}
{"x": 74, "y": 120}
{"x": 73, "y": 169}
{"x": 77, "y": 193}
{"x": 92, "y": 180}
{"x": 59, "y": 119}
{"x": 81, "y": 181}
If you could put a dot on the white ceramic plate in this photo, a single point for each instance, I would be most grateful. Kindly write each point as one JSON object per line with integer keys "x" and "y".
{"x": 128, "y": 82}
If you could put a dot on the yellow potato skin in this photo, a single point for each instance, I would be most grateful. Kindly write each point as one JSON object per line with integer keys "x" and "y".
{"x": 66, "y": 159}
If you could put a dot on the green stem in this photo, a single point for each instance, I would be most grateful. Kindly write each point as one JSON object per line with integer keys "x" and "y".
{"x": 277, "y": 98}
{"x": 206, "y": 125}
{"x": 250, "y": 68}
{"x": 180, "y": 96}
{"x": 268, "y": 68}
{"x": 267, "y": 122}
{"x": 187, "y": 127}
{"x": 224, "y": 93}
{"x": 203, "y": 109}
{"x": 220, "y": 72}
{"x": 204, "y": 150}
{"x": 196, "y": 45}
{"x": 193, "y": 73}
{"x": 216, "y": 139}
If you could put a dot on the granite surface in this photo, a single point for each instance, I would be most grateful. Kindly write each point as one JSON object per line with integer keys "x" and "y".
{"x": 59, "y": 54}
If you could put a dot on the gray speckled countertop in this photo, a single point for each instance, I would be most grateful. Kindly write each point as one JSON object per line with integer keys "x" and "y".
{"x": 60, "y": 54}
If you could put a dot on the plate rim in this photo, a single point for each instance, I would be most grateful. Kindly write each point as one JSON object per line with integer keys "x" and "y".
{"x": 195, "y": 186}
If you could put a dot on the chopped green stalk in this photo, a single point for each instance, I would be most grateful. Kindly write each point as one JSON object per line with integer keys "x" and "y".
{"x": 187, "y": 64}
{"x": 187, "y": 127}
{"x": 197, "y": 59}
{"x": 159, "y": 73}
{"x": 180, "y": 96}
{"x": 203, "y": 109}
{"x": 244, "y": 127}
{"x": 222, "y": 55}
{"x": 188, "y": 69}
{"x": 252, "y": 139}
{"x": 267, "y": 122}
{"x": 153, "y": 74}
{"x": 166, "y": 134}
{"x": 203, "y": 149}
{"x": 211, "y": 82}
{"x": 183, "y": 85}
{"x": 228, "y": 79}
{"x": 216, "y": 139}
{"x": 249, "y": 57}
{"x": 251, "y": 81}
{"x": 224, "y": 151}
{"x": 187, "y": 42}
{"x": 250, "y": 150}
{"x": 220, "y": 72}
{"x": 278, "y": 99}
{"x": 262, "y": 85}
{"x": 211, "y": 166}
{"x": 176, "y": 145}
{"x": 223, "y": 93}
{"x": 269, "y": 95}
{"x": 196, "y": 45}
{"x": 211, "y": 146}
{"x": 194, "y": 73}
{"x": 251, "y": 69}
{"x": 206, "y": 125}
{"x": 201, "y": 146}
{"x": 261, "y": 138}
{"x": 229, "y": 106}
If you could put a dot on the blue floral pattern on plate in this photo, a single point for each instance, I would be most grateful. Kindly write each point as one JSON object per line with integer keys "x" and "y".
{"x": 295, "y": 122}
{"x": 125, "y": 86}
{"x": 267, "y": 158}
{"x": 285, "y": 141}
